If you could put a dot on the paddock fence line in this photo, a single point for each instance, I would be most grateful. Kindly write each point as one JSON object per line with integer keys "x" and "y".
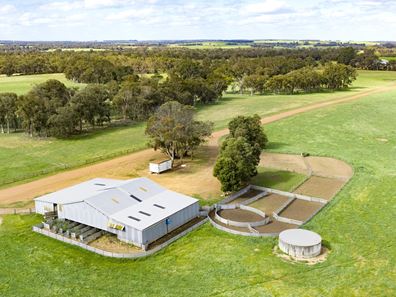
{"x": 255, "y": 198}
{"x": 14, "y": 211}
{"x": 61, "y": 167}
{"x": 292, "y": 195}
{"x": 287, "y": 220}
{"x": 235, "y": 195}
{"x": 39, "y": 229}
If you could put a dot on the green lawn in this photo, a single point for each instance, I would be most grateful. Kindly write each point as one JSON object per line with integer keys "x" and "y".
{"x": 39, "y": 156}
{"x": 31, "y": 156}
{"x": 389, "y": 58}
{"x": 21, "y": 84}
{"x": 236, "y": 104}
{"x": 358, "y": 225}
{"x": 278, "y": 179}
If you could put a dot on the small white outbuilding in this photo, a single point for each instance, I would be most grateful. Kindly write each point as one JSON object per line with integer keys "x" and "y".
{"x": 160, "y": 166}
{"x": 300, "y": 243}
{"x": 138, "y": 211}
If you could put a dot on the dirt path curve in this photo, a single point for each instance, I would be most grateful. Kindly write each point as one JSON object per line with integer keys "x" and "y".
{"x": 30, "y": 190}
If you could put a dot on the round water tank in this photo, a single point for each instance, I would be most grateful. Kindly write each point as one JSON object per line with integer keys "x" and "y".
{"x": 300, "y": 243}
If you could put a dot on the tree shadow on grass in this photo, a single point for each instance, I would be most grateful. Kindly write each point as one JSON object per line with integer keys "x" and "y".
{"x": 278, "y": 179}
{"x": 275, "y": 145}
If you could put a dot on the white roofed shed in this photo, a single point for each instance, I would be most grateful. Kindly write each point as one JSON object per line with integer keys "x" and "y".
{"x": 139, "y": 210}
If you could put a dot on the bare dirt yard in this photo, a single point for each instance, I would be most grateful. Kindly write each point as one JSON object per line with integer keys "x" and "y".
{"x": 239, "y": 215}
{"x": 329, "y": 167}
{"x": 270, "y": 203}
{"x": 275, "y": 227}
{"x": 110, "y": 243}
{"x": 246, "y": 196}
{"x": 301, "y": 210}
{"x": 321, "y": 187}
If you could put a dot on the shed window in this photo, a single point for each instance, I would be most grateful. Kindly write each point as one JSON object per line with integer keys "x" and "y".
{"x": 145, "y": 213}
{"x": 133, "y": 218}
{"x": 159, "y": 206}
{"x": 102, "y": 185}
{"x": 136, "y": 198}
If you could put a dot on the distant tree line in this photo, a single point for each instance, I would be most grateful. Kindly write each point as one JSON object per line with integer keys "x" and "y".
{"x": 133, "y": 85}
{"x": 103, "y": 66}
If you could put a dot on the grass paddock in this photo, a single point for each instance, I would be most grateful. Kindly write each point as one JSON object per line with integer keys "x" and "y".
{"x": 38, "y": 157}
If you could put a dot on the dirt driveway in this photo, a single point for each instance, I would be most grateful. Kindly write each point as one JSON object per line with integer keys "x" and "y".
{"x": 135, "y": 164}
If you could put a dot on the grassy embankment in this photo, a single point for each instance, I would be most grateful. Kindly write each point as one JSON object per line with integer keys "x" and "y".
{"x": 32, "y": 156}
{"x": 358, "y": 225}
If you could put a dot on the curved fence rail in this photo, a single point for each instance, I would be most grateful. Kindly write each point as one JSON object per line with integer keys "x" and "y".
{"x": 262, "y": 214}
{"x": 236, "y": 232}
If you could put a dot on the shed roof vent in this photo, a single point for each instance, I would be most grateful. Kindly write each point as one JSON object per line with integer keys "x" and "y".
{"x": 145, "y": 213}
{"x": 133, "y": 218}
{"x": 136, "y": 198}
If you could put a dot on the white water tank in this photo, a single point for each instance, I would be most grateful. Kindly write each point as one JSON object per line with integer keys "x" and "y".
{"x": 300, "y": 243}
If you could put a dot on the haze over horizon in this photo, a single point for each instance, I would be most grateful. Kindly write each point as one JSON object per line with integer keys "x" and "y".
{"x": 82, "y": 20}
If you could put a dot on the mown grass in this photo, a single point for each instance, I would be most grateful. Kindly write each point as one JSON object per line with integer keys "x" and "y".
{"x": 358, "y": 226}
{"x": 22, "y": 157}
{"x": 38, "y": 156}
{"x": 236, "y": 104}
{"x": 21, "y": 84}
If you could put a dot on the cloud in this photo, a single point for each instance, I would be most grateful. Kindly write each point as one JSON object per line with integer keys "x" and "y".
{"x": 6, "y": 8}
{"x": 266, "y": 7}
{"x": 130, "y": 14}
{"x": 181, "y": 19}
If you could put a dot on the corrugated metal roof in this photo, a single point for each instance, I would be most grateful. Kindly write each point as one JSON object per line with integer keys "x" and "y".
{"x": 138, "y": 203}
{"x": 111, "y": 201}
{"x": 80, "y": 192}
{"x": 153, "y": 209}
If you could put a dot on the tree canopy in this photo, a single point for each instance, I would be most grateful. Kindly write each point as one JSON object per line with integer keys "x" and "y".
{"x": 236, "y": 164}
{"x": 173, "y": 130}
{"x": 240, "y": 152}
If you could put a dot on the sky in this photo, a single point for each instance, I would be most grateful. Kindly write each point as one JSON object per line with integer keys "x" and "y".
{"x": 87, "y": 20}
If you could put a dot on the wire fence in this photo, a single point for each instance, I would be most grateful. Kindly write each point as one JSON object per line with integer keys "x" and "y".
{"x": 61, "y": 167}
{"x": 6, "y": 211}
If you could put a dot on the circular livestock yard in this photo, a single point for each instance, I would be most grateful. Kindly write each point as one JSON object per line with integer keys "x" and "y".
{"x": 300, "y": 243}
{"x": 239, "y": 215}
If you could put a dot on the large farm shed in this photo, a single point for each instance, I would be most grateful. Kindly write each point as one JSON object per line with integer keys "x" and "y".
{"x": 138, "y": 211}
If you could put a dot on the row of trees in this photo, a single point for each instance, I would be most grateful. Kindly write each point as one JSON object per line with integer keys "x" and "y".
{"x": 102, "y": 66}
{"x": 240, "y": 153}
{"x": 52, "y": 109}
{"x": 332, "y": 76}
